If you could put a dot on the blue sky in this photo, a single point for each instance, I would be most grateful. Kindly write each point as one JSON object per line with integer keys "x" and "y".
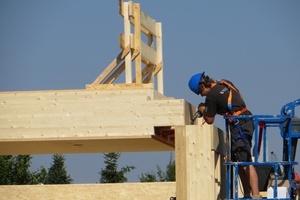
{"x": 66, "y": 44}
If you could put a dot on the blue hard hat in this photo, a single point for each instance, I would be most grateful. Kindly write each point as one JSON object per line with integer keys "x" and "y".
{"x": 194, "y": 82}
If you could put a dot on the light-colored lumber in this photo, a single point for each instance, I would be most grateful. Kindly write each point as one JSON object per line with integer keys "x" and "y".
{"x": 123, "y": 191}
{"x": 137, "y": 41}
{"x": 134, "y": 49}
{"x": 199, "y": 162}
{"x": 148, "y": 25}
{"x": 115, "y": 63}
{"x": 81, "y": 145}
{"x": 148, "y": 54}
{"x": 129, "y": 86}
{"x": 115, "y": 74}
{"x": 127, "y": 59}
{"x": 159, "y": 66}
{"x": 62, "y": 118}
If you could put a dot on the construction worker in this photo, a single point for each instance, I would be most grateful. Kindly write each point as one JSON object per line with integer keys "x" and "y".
{"x": 223, "y": 98}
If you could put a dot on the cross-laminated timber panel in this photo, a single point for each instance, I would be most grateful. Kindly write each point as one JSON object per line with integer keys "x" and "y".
{"x": 200, "y": 152}
{"x": 124, "y": 191}
{"x": 86, "y": 121}
{"x": 75, "y": 121}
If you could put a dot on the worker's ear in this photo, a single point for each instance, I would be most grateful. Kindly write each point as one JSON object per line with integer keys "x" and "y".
{"x": 203, "y": 86}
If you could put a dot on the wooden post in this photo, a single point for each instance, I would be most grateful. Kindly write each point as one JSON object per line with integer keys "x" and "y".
{"x": 128, "y": 68}
{"x": 160, "y": 84}
{"x": 137, "y": 41}
{"x": 199, "y": 162}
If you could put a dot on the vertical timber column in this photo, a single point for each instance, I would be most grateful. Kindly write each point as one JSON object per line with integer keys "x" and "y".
{"x": 137, "y": 42}
{"x": 160, "y": 82}
{"x": 127, "y": 32}
{"x": 197, "y": 163}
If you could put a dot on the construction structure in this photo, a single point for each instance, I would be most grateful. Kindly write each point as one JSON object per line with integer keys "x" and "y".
{"x": 107, "y": 116}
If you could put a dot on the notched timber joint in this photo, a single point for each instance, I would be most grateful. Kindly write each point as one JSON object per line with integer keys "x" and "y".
{"x": 164, "y": 134}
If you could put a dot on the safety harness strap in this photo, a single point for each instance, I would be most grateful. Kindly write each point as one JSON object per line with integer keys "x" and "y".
{"x": 238, "y": 112}
{"x": 241, "y": 135}
{"x": 229, "y": 101}
{"x": 235, "y": 113}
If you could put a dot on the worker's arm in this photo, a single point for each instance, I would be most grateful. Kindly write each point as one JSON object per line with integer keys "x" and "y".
{"x": 207, "y": 119}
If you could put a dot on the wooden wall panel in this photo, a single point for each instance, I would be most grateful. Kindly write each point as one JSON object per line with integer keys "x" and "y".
{"x": 67, "y": 120}
{"x": 85, "y": 113}
{"x": 199, "y": 165}
{"x": 123, "y": 191}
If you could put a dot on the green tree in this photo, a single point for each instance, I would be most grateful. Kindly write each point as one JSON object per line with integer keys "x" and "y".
{"x": 20, "y": 170}
{"x": 111, "y": 174}
{"x": 6, "y": 164}
{"x": 15, "y": 170}
{"x": 161, "y": 176}
{"x": 40, "y": 176}
{"x": 57, "y": 173}
{"x": 170, "y": 174}
{"x": 148, "y": 177}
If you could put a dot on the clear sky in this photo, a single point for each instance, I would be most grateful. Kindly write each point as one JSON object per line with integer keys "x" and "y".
{"x": 66, "y": 44}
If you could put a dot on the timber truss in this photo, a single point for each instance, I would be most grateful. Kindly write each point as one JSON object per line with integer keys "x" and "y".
{"x": 146, "y": 56}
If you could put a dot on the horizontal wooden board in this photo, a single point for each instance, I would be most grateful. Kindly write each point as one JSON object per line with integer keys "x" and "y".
{"x": 148, "y": 25}
{"x": 120, "y": 86}
{"x": 32, "y": 118}
{"x": 149, "y": 54}
{"x": 81, "y": 145}
{"x": 123, "y": 191}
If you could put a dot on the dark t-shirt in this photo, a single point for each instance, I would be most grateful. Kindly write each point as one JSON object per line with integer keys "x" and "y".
{"x": 217, "y": 100}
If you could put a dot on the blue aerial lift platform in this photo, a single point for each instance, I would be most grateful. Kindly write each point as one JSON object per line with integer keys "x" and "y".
{"x": 289, "y": 127}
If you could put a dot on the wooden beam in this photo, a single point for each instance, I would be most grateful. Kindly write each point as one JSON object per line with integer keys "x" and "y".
{"x": 147, "y": 74}
{"x": 148, "y": 25}
{"x": 199, "y": 165}
{"x": 159, "y": 44}
{"x": 115, "y": 63}
{"x": 123, "y": 114}
{"x": 117, "y": 191}
{"x": 149, "y": 55}
{"x": 165, "y": 134}
{"x": 74, "y": 145}
{"x": 137, "y": 40}
{"x": 115, "y": 74}
{"x": 121, "y": 86}
{"x": 127, "y": 31}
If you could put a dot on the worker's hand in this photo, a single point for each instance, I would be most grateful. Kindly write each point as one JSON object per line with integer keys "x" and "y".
{"x": 201, "y": 108}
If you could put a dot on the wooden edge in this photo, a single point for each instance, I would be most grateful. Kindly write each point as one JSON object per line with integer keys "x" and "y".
{"x": 120, "y": 86}
{"x": 165, "y": 134}
{"x": 90, "y": 191}
{"x": 160, "y": 139}
{"x": 148, "y": 25}
{"x": 108, "y": 69}
{"x": 149, "y": 55}
{"x": 114, "y": 75}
